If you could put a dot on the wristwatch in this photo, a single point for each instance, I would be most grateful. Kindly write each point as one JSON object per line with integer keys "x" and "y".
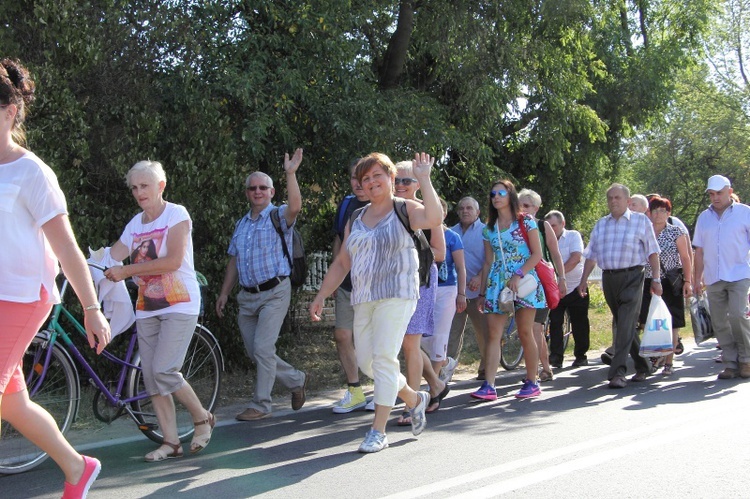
{"x": 519, "y": 272}
{"x": 657, "y": 279}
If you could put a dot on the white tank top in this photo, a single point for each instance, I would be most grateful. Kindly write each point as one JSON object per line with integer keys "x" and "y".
{"x": 384, "y": 261}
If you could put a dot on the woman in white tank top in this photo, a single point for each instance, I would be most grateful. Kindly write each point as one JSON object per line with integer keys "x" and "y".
{"x": 385, "y": 285}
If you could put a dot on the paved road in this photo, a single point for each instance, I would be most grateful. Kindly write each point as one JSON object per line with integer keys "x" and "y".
{"x": 683, "y": 436}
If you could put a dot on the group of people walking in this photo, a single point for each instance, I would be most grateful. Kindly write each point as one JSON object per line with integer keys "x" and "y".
{"x": 403, "y": 282}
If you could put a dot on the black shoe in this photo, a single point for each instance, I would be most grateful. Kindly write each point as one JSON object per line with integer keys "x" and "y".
{"x": 583, "y": 361}
{"x": 556, "y": 362}
{"x": 680, "y": 347}
{"x": 480, "y": 376}
{"x": 607, "y": 358}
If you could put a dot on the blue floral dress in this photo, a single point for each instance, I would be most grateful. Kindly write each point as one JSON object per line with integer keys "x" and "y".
{"x": 516, "y": 253}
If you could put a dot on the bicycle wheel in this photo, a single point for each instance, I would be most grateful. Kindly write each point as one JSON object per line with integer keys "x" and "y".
{"x": 202, "y": 369}
{"x": 511, "y": 351}
{"x": 58, "y": 394}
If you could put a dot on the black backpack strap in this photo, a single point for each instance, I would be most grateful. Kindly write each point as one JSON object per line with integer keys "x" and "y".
{"x": 399, "y": 206}
{"x": 277, "y": 225}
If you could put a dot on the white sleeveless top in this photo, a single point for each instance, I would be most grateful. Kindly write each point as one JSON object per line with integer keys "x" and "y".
{"x": 384, "y": 261}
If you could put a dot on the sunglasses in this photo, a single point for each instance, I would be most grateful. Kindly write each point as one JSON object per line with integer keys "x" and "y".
{"x": 501, "y": 193}
{"x": 404, "y": 181}
{"x": 253, "y": 188}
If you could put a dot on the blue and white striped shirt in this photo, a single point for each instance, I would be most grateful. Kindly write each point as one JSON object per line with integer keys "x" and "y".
{"x": 258, "y": 249}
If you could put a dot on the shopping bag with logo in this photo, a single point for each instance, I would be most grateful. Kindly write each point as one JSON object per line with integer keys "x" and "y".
{"x": 657, "y": 334}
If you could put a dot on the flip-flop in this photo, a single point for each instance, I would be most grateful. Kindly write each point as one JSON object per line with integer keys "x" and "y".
{"x": 404, "y": 419}
{"x": 437, "y": 400}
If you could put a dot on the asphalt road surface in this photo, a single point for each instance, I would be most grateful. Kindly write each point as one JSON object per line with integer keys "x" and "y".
{"x": 686, "y": 435}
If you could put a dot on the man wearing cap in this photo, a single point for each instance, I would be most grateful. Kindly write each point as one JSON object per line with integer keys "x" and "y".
{"x": 722, "y": 242}
{"x": 621, "y": 243}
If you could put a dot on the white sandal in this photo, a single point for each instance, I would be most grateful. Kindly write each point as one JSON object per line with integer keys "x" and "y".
{"x": 161, "y": 454}
{"x": 200, "y": 442}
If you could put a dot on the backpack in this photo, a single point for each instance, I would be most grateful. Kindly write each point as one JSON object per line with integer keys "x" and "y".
{"x": 421, "y": 242}
{"x": 297, "y": 260}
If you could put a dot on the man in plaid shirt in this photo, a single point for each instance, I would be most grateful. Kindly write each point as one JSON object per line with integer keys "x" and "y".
{"x": 621, "y": 243}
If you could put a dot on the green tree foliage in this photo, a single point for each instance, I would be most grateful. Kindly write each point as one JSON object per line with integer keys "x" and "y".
{"x": 705, "y": 132}
{"x": 539, "y": 91}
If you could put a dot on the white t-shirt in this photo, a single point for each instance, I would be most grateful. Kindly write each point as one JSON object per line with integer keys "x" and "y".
{"x": 571, "y": 242}
{"x": 29, "y": 197}
{"x": 173, "y": 292}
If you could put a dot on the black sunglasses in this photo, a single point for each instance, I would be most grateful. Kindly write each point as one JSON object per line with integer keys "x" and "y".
{"x": 404, "y": 181}
{"x": 253, "y": 188}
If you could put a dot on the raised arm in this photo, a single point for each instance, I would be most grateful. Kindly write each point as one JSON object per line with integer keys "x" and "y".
{"x": 430, "y": 214}
{"x": 294, "y": 201}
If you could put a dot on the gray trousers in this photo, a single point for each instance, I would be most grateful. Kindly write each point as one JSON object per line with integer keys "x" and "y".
{"x": 727, "y": 302}
{"x": 458, "y": 326}
{"x": 260, "y": 318}
{"x": 624, "y": 292}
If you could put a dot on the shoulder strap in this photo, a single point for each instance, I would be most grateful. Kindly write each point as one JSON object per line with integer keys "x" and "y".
{"x": 341, "y": 222}
{"x": 522, "y": 226}
{"x": 399, "y": 206}
{"x": 277, "y": 225}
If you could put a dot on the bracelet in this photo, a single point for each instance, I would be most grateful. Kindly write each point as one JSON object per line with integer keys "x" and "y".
{"x": 95, "y": 306}
{"x": 656, "y": 280}
{"x": 461, "y": 294}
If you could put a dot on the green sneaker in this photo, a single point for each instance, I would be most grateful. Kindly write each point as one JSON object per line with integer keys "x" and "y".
{"x": 354, "y": 398}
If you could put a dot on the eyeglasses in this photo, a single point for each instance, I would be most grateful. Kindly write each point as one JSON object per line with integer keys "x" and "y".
{"x": 253, "y": 188}
{"x": 659, "y": 211}
{"x": 404, "y": 181}
{"x": 501, "y": 193}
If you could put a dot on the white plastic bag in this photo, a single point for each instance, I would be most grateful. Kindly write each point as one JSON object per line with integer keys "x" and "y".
{"x": 657, "y": 334}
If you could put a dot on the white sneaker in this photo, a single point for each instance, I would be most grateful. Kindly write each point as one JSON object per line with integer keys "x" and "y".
{"x": 374, "y": 442}
{"x": 370, "y": 406}
{"x": 446, "y": 372}
{"x": 353, "y": 399}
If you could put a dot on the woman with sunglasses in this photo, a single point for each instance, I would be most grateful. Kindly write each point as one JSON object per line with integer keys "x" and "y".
{"x": 422, "y": 323}
{"x": 530, "y": 202}
{"x": 385, "y": 285}
{"x": 508, "y": 258}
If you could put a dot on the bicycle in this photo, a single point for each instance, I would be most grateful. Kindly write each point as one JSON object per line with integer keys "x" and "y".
{"x": 511, "y": 350}
{"x": 54, "y": 383}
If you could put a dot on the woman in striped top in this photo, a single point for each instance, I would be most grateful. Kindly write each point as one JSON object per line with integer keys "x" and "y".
{"x": 383, "y": 261}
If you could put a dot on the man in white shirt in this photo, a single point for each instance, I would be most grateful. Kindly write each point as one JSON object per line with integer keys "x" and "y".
{"x": 570, "y": 243}
{"x": 722, "y": 243}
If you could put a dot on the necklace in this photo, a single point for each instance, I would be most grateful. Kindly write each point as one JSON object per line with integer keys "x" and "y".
{"x": 148, "y": 226}
{"x": 9, "y": 152}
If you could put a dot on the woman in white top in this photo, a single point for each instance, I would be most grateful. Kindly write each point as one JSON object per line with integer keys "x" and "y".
{"x": 36, "y": 233}
{"x": 385, "y": 285}
{"x": 159, "y": 244}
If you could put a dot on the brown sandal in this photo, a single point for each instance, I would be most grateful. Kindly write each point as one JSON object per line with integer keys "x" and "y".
{"x": 162, "y": 455}
{"x": 200, "y": 442}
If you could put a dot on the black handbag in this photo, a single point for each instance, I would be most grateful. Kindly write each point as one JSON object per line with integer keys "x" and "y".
{"x": 675, "y": 279}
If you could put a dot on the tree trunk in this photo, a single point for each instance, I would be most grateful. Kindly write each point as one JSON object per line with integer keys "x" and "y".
{"x": 395, "y": 56}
